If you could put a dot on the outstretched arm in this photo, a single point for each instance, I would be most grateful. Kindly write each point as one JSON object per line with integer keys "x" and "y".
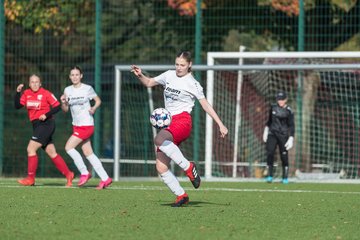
{"x": 146, "y": 81}
{"x": 210, "y": 110}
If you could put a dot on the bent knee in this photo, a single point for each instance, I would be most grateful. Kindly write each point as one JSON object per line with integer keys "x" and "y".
{"x": 158, "y": 141}
{"x": 68, "y": 148}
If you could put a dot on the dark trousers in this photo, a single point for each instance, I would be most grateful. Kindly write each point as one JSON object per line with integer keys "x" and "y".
{"x": 272, "y": 142}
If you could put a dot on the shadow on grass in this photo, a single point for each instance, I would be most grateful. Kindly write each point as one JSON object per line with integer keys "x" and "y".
{"x": 58, "y": 184}
{"x": 196, "y": 204}
{"x": 49, "y": 184}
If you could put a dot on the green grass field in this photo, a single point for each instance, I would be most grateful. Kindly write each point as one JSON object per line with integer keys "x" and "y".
{"x": 141, "y": 210}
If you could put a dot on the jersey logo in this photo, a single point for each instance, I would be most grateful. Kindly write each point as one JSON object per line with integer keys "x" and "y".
{"x": 33, "y": 104}
{"x": 39, "y": 97}
{"x": 172, "y": 90}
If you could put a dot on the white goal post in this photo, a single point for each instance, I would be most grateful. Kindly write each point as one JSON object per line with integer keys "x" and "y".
{"x": 212, "y": 56}
{"x": 214, "y": 64}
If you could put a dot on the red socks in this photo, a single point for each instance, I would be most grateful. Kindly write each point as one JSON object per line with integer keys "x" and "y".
{"x": 58, "y": 161}
{"x": 61, "y": 165}
{"x": 32, "y": 165}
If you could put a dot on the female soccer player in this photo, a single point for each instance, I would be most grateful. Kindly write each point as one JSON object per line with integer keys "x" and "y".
{"x": 279, "y": 130}
{"x": 41, "y": 106}
{"x": 77, "y": 97}
{"x": 180, "y": 91}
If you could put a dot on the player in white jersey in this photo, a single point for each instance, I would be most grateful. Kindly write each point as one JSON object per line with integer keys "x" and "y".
{"x": 77, "y": 98}
{"x": 180, "y": 91}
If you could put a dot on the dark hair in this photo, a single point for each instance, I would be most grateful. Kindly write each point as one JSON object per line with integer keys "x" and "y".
{"x": 77, "y": 68}
{"x": 187, "y": 56}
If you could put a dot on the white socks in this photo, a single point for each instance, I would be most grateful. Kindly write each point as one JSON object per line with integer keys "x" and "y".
{"x": 93, "y": 159}
{"x": 173, "y": 152}
{"x": 98, "y": 167}
{"x": 173, "y": 184}
{"x": 78, "y": 160}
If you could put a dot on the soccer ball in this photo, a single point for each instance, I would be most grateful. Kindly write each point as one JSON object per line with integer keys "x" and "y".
{"x": 160, "y": 118}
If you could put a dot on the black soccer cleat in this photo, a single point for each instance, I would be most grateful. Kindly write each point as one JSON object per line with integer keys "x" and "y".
{"x": 193, "y": 175}
{"x": 181, "y": 200}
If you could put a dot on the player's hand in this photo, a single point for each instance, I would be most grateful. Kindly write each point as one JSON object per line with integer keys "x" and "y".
{"x": 42, "y": 117}
{"x": 19, "y": 87}
{"x": 63, "y": 99}
{"x": 266, "y": 133}
{"x": 223, "y": 131}
{"x": 92, "y": 110}
{"x": 290, "y": 143}
{"x": 136, "y": 70}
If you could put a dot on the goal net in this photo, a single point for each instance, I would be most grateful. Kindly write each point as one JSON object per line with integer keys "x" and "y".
{"x": 323, "y": 90}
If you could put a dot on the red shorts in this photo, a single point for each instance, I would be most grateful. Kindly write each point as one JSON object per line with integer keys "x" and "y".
{"x": 83, "y": 132}
{"x": 180, "y": 127}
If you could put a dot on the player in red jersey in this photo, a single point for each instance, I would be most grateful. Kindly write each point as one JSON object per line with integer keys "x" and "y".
{"x": 41, "y": 106}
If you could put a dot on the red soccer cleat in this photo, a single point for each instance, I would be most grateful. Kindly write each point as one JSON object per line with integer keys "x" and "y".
{"x": 28, "y": 181}
{"x": 69, "y": 178}
{"x": 181, "y": 200}
{"x": 104, "y": 184}
{"x": 193, "y": 175}
{"x": 84, "y": 179}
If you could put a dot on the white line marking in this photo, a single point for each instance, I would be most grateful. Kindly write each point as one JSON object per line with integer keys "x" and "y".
{"x": 159, "y": 188}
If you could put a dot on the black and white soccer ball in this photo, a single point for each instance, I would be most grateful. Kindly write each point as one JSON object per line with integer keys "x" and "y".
{"x": 160, "y": 118}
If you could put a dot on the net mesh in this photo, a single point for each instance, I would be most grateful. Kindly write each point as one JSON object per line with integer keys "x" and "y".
{"x": 326, "y": 119}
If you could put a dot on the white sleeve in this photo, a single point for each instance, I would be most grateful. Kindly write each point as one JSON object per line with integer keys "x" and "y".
{"x": 161, "y": 79}
{"x": 91, "y": 93}
{"x": 197, "y": 90}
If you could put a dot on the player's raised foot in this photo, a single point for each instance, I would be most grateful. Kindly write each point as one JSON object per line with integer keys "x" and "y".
{"x": 104, "y": 184}
{"x": 285, "y": 181}
{"x": 193, "y": 175}
{"x": 181, "y": 200}
{"x": 28, "y": 181}
{"x": 269, "y": 179}
{"x": 84, "y": 178}
{"x": 69, "y": 178}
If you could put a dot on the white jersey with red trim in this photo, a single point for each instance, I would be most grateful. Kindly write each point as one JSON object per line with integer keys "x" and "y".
{"x": 79, "y": 103}
{"x": 179, "y": 92}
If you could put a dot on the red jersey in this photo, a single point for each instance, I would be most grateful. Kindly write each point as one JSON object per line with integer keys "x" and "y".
{"x": 38, "y": 103}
